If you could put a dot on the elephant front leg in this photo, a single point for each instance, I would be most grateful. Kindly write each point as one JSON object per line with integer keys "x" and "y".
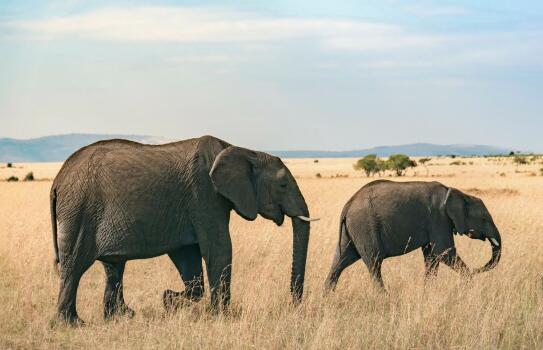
{"x": 431, "y": 262}
{"x": 188, "y": 261}
{"x": 219, "y": 270}
{"x": 451, "y": 259}
{"x": 218, "y": 258}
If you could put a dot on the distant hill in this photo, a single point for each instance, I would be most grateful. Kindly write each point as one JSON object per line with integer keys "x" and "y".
{"x": 413, "y": 150}
{"x": 58, "y": 148}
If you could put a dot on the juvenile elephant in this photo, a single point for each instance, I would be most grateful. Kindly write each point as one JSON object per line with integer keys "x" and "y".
{"x": 119, "y": 200}
{"x": 385, "y": 219}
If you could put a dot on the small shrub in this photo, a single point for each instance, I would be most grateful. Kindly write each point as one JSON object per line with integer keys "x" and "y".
{"x": 12, "y": 179}
{"x": 541, "y": 171}
{"x": 457, "y": 162}
{"x": 29, "y": 176}
{"x": 9, "y": 165}
{"x": 316, "y": 161}
{"x": 318, "y": 175}
{"x": 502, "y": 174}
{"x": 519, "y": 160}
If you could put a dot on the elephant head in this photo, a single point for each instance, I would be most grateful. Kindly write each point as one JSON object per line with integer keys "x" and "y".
{"x": 470, "y": 216}
{"x": 258, "y": 183}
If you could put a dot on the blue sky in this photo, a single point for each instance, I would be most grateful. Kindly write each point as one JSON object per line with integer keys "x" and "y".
{"x": 276, "y": 75}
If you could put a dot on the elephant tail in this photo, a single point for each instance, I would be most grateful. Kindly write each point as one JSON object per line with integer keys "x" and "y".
{"x": 343, "y": 224}
{"x": 53, "y": 203}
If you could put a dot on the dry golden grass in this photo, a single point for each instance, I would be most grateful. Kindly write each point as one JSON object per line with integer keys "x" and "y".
{"x": 502, "y": 308}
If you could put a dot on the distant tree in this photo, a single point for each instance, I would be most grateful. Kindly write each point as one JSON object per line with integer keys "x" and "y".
{"x": 423, "y": 161}
{"x": 12, "y": 179}
{"x": 511, "y": 153}
{"x": 9, "y": 165}
{"x": 368, "y": 164}
{"x": 399, "y": 163}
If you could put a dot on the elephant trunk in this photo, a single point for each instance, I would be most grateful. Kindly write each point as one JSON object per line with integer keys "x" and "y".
{"x": 300, "y": 230}
{"x": 496, "y": 244}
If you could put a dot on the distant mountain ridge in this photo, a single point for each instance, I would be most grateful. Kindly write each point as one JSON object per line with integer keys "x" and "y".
{"x": 412, "y": 149}
{"x": 59, "y": 147}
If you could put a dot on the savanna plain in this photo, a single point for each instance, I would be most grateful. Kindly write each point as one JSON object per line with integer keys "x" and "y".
{"x": 502, "y": 308}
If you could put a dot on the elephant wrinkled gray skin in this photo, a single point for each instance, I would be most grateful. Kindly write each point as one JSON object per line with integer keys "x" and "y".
{"x": 385, "y": 219}
{"x": 119, "y": 200}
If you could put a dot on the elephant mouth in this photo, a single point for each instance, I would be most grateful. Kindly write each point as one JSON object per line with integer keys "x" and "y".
{"x": 278, "y": 217}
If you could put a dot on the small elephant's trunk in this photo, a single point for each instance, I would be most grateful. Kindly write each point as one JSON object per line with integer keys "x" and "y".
{"x": 300, "y": 230}
{"x": 496, "y": 244}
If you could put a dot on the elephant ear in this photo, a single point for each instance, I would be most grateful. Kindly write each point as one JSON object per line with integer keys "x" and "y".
{"x": 233, "y": 177}
{"x": 456, "y": 208}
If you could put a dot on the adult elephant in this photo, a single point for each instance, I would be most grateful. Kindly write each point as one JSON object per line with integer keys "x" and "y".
{"x": 385, "y": 219}
{"x": 119, "y": 200}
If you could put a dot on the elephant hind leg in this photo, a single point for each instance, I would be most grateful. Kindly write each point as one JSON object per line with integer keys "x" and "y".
{"x": 188, "y": 261}
{"x": 345, "y": 257}
{"x": 114, "y": 303}
{"x": 70, "y": 275}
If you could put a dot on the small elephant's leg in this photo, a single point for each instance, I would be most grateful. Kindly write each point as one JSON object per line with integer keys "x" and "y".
{"x": 431, "y": 262}
{"x": 188, "y": 261}
{"x": 451, "y": 259}
{"x": 113, "y": 295}
{"x": 345, "y": 257}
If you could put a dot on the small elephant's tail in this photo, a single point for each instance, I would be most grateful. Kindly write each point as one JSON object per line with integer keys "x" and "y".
{"x": 53, "y": 203}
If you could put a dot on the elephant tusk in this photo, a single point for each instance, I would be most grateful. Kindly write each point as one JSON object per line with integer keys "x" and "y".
{"x": 305, "y": 218}
{"x": 495, "y": 242}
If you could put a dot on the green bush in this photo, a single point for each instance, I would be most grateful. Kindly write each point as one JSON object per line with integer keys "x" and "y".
{"x": 29, "y": 176}
{"x": 399, "y": 163}
{"x": 368, "y": 164}
{"x": 12, "y": 179}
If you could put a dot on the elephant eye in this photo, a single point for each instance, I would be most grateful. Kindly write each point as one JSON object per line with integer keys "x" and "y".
{"x": 283, "y": 185}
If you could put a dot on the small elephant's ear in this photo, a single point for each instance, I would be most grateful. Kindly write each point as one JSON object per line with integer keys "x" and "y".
{"x": 233, "y": 177}
{"x": 455, "y": 206}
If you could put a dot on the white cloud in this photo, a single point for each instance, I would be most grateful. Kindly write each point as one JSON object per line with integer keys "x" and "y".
{"x": 427, "y": 9}
{"x": 212, "y": 25}
{"x": 210, "y": 58}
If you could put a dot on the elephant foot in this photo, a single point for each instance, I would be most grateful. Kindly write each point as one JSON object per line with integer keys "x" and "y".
{"x": 175, "y": 300}
{"x": 119, "y": 311}
{"x": 62, "y": 319}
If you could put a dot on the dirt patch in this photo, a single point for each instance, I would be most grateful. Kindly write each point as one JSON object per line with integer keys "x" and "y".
{"x": 492, "y": 192}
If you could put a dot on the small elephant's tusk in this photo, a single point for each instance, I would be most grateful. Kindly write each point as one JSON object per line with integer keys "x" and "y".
{"x": 305, "y": 218}
{"x": 495, "y": 242}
